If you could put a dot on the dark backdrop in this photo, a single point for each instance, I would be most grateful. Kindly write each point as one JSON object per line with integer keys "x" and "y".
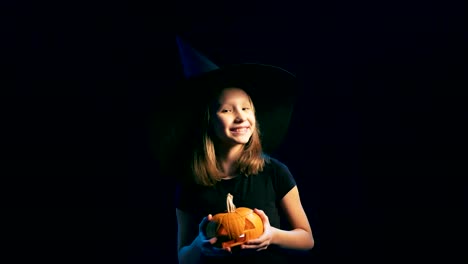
{"x": 377, "y": 142}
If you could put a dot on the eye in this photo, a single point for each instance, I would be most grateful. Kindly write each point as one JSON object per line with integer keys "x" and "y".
{"x": 225, "y": 110}
{"x": 245, "y": 108}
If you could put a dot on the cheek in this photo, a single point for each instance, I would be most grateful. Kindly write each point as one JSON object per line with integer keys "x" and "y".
{"x": 219, "y": 127}
{"x": 252, "y": 120}
{"x": 223, "y": 123}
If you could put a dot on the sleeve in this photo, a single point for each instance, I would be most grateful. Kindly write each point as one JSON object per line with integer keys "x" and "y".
{"x": 283, "y": 179}
{"x": 183, "y": 198}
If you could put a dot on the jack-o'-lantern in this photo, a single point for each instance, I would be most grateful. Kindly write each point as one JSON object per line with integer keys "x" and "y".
{"x": 234, "y": 227}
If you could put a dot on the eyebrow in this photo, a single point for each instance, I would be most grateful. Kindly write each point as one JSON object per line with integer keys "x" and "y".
{"x": 241, "y": 104}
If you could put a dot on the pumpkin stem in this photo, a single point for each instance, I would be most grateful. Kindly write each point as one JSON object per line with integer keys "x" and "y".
{"x": 230, "y": 204}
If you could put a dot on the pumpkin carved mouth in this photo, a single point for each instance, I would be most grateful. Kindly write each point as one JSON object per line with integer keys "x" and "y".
{"x": 234, "y": 227}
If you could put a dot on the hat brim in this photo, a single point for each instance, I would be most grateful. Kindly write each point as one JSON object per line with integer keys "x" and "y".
{"x": 271, "y": 88}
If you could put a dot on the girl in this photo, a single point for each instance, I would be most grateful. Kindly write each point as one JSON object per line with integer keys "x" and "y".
{"x": 227, "y": 157}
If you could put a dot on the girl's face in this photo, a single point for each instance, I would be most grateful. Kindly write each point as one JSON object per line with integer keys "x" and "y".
{"x": 234, "y": 119}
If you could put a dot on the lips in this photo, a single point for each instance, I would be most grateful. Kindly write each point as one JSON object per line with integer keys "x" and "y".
{"x": 239, "y": 129}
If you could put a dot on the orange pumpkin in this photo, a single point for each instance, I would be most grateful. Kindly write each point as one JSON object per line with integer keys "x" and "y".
{"x": 234, "y": 227}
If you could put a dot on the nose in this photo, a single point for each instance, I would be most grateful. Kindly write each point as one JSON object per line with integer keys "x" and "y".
{"x": 240, "y": 116}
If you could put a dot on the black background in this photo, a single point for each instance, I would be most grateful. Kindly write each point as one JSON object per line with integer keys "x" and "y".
{"x": 377, "y": 142}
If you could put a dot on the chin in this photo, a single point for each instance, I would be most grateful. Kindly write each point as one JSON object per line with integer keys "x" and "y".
{"x": 244, "y": 140}
{"x": 241, "y": 141}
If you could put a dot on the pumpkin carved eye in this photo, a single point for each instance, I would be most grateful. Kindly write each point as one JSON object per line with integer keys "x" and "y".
{"x": 248, "y": 225}
{"x": 235, "y": 226}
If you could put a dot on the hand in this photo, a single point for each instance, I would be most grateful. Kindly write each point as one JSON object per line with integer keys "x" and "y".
{"x": 262, "y": 242}
{"x": 206, "y": 244}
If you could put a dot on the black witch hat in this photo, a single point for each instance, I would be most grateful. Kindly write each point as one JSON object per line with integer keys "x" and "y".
{"x": 271, "y": 88}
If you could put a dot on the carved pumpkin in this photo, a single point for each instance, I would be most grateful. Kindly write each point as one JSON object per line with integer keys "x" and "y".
{"x": 234, "y": 227}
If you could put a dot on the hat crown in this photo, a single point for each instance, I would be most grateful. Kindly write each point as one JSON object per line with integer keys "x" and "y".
{"x": 193, "y": 62}
{"x": 271, "y": 88}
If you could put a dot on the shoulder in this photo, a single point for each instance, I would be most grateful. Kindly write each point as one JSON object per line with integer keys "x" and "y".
{"x": 275, "y": 164}
{"x": 277, "y": 168}
{"x": 280, "y": 176}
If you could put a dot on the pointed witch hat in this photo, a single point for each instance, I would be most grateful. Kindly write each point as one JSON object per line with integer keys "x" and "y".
{"x": 271, "y": 88}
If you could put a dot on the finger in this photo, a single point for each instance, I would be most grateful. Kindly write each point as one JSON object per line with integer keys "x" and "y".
{"x": 259, "y": 212}
{"x": 262, "y": 215}
{"x": 203, "y": 222}
{"x": 263, "y": 248}
{"x": 212, "y": 240}
{"x": 257, "y": 241}
{"x": 206, "y": 240}
{"x": 254, "y": 246}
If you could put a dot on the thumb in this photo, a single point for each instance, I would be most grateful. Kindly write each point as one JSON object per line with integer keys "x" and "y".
{"x": 262, "y": 215}
{"x": 203, "y": 223}
{"x": 213, "y": 240}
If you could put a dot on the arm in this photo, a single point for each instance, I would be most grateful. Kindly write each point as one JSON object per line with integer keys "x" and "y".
{"x": 192, "y": 242}
{"x": 298, "y": 238}
{"x": 187, "y": 232}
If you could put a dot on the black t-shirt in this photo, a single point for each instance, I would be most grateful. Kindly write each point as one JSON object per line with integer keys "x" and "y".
{"x": 263, "y": 191}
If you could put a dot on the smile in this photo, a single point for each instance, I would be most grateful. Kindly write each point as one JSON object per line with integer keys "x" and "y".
{"x": 239, "y": 130}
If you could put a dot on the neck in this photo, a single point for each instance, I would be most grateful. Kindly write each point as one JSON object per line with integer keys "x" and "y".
{"x": 228, "y": 158}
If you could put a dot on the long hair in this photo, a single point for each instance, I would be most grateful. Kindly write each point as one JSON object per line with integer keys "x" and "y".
{"x": 205, "y": 167}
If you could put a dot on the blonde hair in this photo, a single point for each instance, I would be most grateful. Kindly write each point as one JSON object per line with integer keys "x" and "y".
{"x": 204, "y": 165}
